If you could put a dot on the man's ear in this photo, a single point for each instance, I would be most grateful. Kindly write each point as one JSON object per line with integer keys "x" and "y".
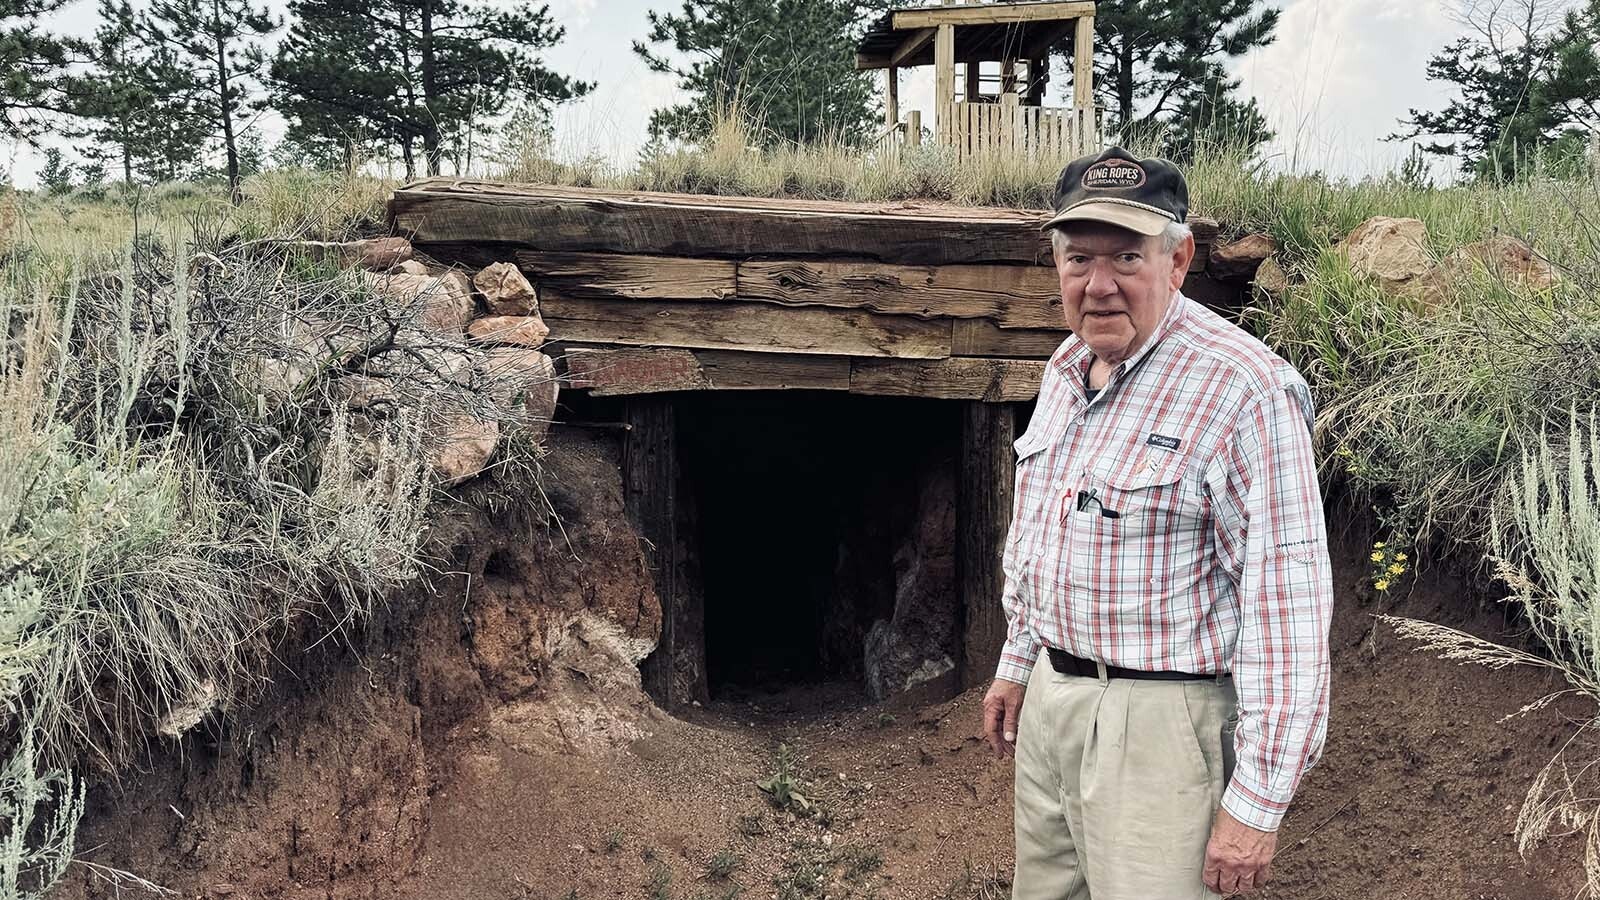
{"x": 1182, "y": 255}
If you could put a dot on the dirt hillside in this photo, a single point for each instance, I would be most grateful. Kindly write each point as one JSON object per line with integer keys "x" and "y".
{"x": 489, "y": 740}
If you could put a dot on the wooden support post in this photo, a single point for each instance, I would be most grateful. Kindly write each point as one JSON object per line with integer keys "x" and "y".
{"x": 891, "y": 97}
{"x": 914, "y": 128}
{"x": 1083, "y": 84}
{"x": 944, "y": 82}
{"x": 1008, "y": 76}
{"x": 983, "y": 515}
{"x": 969, "y": 91}
{"x": 675, "y": 672}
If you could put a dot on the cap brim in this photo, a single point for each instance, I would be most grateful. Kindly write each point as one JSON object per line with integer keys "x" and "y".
{"x": 1143, "y": 221}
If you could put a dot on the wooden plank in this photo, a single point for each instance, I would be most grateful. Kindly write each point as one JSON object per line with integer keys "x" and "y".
{"x": 998, "y": 14}
{"x": 891, "y": 97}
{"x": 983, "y": 516}
{"x": 1083, "y": 63}
{"x": 650, "y": 489}
{"x": 1013, "y": 296}
{"x": 969, "y": 89}
{"x": 618, "y": 371}
{"x": 944, "y": 80}
{"x": 988, "y": 380}
{"x": 980, "y": 337}
{"x": 911, "y": 46}
{"x": 630, "y": 275}
{"x": 574, "y": 220}
{"x": 757, "y": 327}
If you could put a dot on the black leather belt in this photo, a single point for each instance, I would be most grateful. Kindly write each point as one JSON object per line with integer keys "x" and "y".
{"x": 1067, "y": 664}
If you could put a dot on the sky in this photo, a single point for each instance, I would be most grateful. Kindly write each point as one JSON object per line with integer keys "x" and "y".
{"x": 1336, "y": 80}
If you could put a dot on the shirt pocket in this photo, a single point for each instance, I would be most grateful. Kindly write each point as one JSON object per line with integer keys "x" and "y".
{"x": 1127, "y": 544}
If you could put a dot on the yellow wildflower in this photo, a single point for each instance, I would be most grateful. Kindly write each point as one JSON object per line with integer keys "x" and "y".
{"x": 1377, "y": 556}
{"x": 1379, "y": 545}
{"x": 1381, "y": 584}
{"x": 1396, "y": 569}
{"x": 1401, "y": 556}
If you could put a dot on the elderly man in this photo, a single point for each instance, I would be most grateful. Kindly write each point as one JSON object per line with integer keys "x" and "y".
{"x": 1164, "y": 682}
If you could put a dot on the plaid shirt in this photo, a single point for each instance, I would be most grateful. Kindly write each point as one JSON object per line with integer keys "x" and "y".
{"x": 1200, "y": 545}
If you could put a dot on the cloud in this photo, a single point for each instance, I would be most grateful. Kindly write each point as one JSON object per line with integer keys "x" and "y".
{"x": 1341, "y": 75}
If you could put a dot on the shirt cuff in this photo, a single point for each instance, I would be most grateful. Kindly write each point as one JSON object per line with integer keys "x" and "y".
{"x": 1252, "y": 806}
{"x": 1017, "y": 658}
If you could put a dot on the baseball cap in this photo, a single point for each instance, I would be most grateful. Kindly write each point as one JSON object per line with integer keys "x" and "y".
{"x": 1141, "y": 195}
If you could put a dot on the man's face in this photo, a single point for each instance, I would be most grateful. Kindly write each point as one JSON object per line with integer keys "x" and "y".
{"x": 1116, "y": 285}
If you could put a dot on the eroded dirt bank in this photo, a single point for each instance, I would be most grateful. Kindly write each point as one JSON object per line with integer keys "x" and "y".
{"x": 490, "y": 741}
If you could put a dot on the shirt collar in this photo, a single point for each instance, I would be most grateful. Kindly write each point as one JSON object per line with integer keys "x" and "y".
{"x": 1078, "y": 356}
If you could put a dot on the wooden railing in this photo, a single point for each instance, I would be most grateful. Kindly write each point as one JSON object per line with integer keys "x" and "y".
{"x": 1008, "y": 128}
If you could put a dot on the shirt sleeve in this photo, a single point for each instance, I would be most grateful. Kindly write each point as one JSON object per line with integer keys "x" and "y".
{"x": 1268, "y": 517}
{"x": 1022, "y": 646}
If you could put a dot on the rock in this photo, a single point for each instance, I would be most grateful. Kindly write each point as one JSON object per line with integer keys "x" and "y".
{"x": 466, "y": 444}
{"x": 1387, "y": 249}
{"x": 1507, "y": 257}
{"x": 409, "y": 267}
{"x": 1502, "y": 256}
{"x": 361, "y": 392}
{"x": 505, "y": 291}
{"x": 376, "y": 254}
{"x": 309, "y": 347}
{"x": 1271, "y": 278}
{"x": 445, "y": 301}
{"x": 524, "y": 331}
{"x": 1239, "y": 260}
{"x": 911, "y": 656}
{"x": 433, "y": 368}
{"x": 519, "y": 376}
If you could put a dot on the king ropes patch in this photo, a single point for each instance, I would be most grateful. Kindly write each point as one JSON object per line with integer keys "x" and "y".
{"x": 1113, "y": 173}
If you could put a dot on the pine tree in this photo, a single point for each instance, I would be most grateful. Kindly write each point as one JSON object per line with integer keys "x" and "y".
{"x": 1214, "y": 115}
{"x": 32, "y": 64}
{"x": 55, "y": 176}
{"x": 216, "y": 45}
{"x": 1508, "y": 107}
{"x": 1574, "y": 82}
{"x": 788, "y": 64}
{"x": 129, "y": 103}
{"x": 411, "y": 72}
{"x": 1159, "y": 67}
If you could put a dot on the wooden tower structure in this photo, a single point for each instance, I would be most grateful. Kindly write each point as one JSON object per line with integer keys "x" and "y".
{"x": 1015, "y": 35}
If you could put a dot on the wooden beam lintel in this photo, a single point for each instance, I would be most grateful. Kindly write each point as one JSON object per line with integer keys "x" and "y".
{"x": 998, "y": 14}
{"x": 624, "y": 371}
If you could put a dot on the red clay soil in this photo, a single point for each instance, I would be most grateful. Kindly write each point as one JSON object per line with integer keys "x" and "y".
{"x": 488, "y": 743}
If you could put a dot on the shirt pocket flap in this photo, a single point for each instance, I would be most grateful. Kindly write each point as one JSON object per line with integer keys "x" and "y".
{"x": 1150, "y": 471}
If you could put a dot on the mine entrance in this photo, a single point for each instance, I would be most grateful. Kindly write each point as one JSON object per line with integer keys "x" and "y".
{"x": 819, "y": 538}
{"x": 810, "y": 517}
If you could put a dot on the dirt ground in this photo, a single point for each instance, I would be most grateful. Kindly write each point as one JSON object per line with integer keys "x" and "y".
{"x": 488, "y": 743}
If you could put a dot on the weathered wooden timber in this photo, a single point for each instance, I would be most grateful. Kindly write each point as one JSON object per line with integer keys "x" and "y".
{"x": 613, "y": 372}
{"x": 693, "y": 293}
{"x": 743, "y": 326}
{"x": 584, "y": 219}
{"x": 983, "y": 516}
{"x": 1012, "y": 296}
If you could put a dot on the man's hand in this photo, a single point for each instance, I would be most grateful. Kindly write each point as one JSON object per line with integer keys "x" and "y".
{"x": 1238, "y": 857}
{"x": 1002, "y": 708}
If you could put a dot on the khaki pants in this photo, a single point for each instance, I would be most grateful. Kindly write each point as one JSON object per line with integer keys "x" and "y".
{"x": 1117, "y": 783}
